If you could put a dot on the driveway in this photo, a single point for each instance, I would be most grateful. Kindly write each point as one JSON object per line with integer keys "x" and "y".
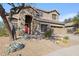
{"x": 73, "y": 36}
{"x": 71, "y": 51}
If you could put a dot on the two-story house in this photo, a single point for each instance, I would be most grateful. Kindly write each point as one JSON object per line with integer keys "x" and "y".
{"x": 38, "y": 20}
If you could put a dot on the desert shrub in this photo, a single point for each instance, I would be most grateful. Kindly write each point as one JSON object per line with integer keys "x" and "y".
{"x": 66, "y": 37}
{"x": 62, "y": 41}
{"x": 48, "y": 33}
{"x": 77, "y": 31}
{"x": 3, "y": 32}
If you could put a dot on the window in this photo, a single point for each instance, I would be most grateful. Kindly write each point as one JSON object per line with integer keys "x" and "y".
{"x": 43, "y": 27}
{"x": 53, "y": 16}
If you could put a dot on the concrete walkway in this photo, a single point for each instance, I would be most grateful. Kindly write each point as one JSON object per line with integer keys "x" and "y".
{"x": 71, "y": 51}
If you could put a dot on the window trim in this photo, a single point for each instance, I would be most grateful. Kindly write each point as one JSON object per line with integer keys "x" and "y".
{"x": 54, "y": 16}
{"x": 43, "y": 29}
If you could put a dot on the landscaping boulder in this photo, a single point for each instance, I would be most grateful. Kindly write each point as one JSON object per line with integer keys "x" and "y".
{"x": 14, "y": 47}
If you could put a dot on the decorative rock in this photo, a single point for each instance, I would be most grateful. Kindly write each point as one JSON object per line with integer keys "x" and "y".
{"x": 14, "y": 47}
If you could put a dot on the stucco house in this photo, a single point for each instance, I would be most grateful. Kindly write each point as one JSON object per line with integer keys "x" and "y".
{"x": 71, "y": 27}
{"x": 37, "y": 20}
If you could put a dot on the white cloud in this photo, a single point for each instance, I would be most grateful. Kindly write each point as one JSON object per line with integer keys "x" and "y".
{"x": 70, "y": 15}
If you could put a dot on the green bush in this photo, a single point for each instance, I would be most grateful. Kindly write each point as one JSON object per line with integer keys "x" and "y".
{"x": 48, "y": 33}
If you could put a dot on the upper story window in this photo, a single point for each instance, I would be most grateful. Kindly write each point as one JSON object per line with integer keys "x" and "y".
{"x": 54, "y": 16}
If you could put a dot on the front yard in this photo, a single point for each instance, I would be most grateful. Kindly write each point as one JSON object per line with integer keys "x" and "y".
{"x": 35, "y": 47}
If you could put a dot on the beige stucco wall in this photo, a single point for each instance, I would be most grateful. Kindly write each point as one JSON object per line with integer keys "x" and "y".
{"x": 48, "y": 16}
{"x": 60, "y": 31}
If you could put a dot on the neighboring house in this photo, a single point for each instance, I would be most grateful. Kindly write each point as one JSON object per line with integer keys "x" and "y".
{"x": 38, "y": 20}
{"x": 69, "y": 27}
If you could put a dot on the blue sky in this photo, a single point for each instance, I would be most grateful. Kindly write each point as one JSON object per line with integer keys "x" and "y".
{"x": 66, "y": 10}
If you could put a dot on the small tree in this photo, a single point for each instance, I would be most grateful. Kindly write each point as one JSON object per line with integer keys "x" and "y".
{"x": 3, "y": 31}
{"x": 48, "y": 33}
{"x": 16, "y": 7}
{"x": 76, "y": 21}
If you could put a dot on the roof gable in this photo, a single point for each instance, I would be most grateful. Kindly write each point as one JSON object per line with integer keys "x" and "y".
{"x": 49, "y": 11}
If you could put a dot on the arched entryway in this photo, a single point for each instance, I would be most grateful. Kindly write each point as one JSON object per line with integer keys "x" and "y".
{"x": 28, "y": 20}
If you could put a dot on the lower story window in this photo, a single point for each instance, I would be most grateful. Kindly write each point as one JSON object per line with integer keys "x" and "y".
{"x": 43, "y": 27}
